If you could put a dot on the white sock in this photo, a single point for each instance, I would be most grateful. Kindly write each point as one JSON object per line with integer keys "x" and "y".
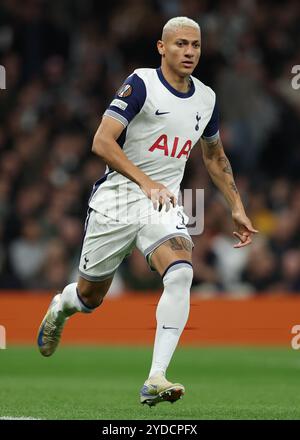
{"x": 71, "y": 302}
{"x": 172, "y": 311}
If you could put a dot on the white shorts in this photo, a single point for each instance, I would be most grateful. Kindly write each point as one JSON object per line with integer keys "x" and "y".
{"x": 107, "y": 241}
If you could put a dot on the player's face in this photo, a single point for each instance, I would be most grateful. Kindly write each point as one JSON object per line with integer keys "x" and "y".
{"x": 181, "y": 49}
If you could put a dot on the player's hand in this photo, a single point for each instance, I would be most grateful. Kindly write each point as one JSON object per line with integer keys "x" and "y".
{"x": 158, "y": 194}
{"x": 244, "y": 229}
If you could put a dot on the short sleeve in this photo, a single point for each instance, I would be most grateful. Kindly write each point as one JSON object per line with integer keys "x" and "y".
{"x": 211, "y": 131}
{"x": 128, "y": 101}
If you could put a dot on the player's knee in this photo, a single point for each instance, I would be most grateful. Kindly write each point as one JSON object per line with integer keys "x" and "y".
{"x": 91, "y": 296}
{"x": 92, "y": 293}
{"x": 179, "y": 275}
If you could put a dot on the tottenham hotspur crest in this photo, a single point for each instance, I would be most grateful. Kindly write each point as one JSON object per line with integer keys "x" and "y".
{"x": 197, "y": 119}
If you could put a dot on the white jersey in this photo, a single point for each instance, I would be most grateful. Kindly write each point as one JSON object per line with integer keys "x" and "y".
{"x": 161, "y": 126}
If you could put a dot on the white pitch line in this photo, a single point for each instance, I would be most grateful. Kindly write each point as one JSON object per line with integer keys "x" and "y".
{"x": 18, "y": 418}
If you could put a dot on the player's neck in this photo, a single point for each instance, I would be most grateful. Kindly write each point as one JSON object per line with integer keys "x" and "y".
{"x": 179, "y": 83}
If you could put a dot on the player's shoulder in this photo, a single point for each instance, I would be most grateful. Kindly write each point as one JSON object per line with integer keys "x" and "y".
{"x": 135, "y": 82}
{"x": 145, "y": 73}
{"x": 206, "y": 92}
{"x": 140, "y": 77}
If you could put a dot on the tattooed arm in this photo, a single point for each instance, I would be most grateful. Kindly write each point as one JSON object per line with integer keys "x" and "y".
{"x": 220, "y": 170}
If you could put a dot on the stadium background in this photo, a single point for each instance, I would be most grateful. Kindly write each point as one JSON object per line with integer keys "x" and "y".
{"x": 64, "y": 60}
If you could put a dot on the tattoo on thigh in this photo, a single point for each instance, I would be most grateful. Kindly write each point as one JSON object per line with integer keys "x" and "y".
{"x": 186, "y": 244}
{"x": 179, "y": 244}
{"x": 175, "y": 244}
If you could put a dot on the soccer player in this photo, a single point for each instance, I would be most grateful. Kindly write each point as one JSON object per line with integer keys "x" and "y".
{"x": 145, "y": 138}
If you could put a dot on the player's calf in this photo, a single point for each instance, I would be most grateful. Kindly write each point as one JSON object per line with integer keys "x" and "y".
{"x": 91, "y": 293}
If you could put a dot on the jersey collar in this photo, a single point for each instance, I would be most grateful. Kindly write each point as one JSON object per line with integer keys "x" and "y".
{"x": 171, "y": 89}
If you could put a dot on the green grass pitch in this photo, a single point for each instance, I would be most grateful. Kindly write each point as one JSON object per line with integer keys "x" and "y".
{"x": 104, "y": 382}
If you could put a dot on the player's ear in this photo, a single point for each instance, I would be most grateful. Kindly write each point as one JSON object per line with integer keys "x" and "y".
{"x": 160, "y": 47}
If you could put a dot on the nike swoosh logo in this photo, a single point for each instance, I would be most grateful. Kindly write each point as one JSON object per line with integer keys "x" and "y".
{"x": 177, "y": 227}
{"x": 161, "y": 113}
{"x": 175, "y": 328}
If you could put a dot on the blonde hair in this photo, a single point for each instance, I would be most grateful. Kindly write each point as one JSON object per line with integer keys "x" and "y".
{"x": 179, "y": 22}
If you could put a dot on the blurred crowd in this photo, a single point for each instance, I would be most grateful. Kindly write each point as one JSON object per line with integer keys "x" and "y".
{"x": 64, "y": 61}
